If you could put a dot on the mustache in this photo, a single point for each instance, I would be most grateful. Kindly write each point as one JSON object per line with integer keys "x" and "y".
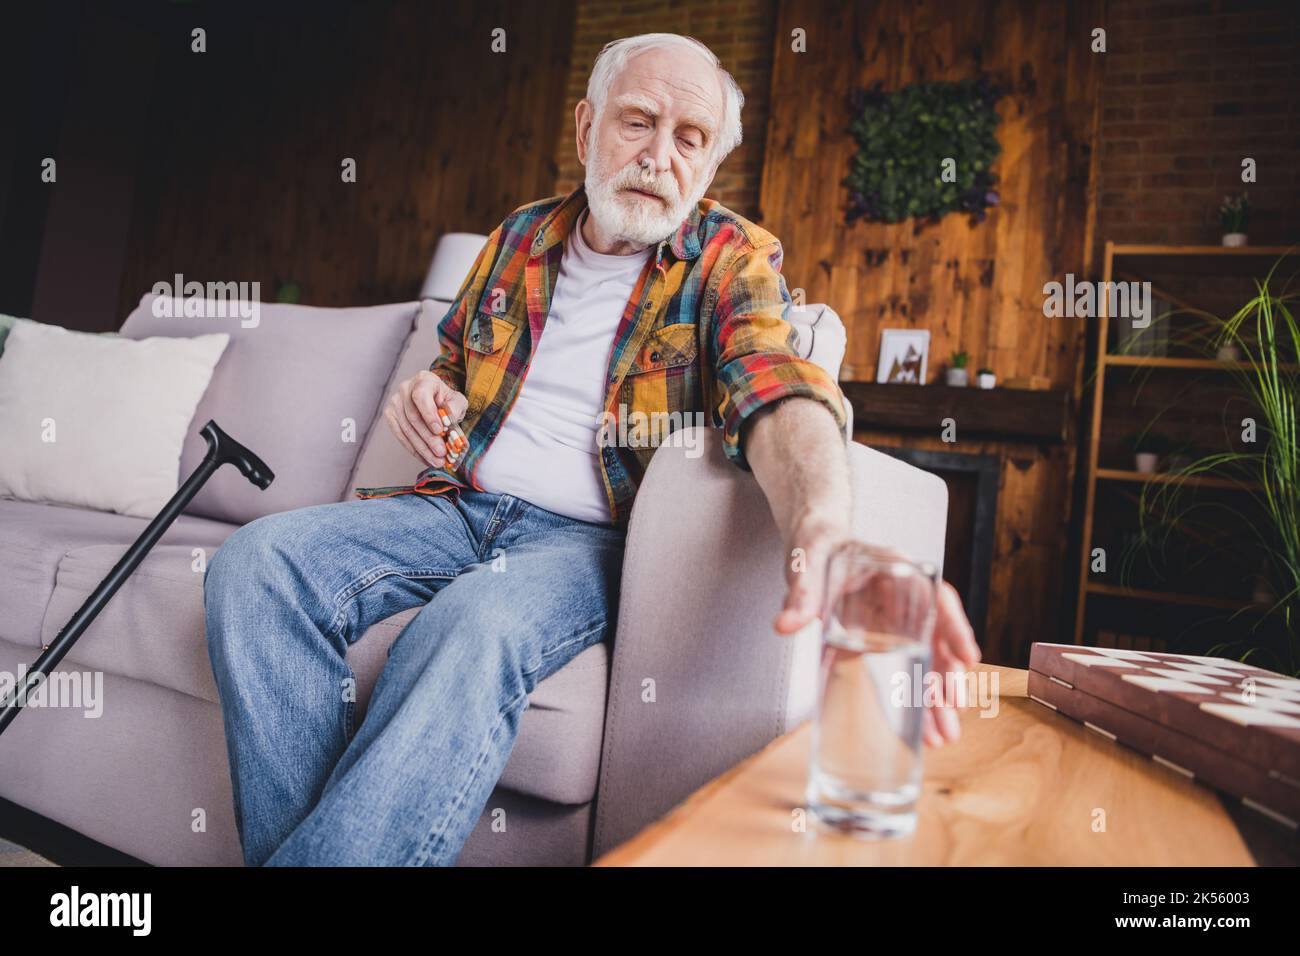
{"x": 632, "y": 176}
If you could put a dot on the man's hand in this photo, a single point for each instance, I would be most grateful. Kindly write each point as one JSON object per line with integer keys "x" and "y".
{"x": 412, "y": 415}
{"x": 811, "y": 502}
{"x": 953, "y": 648}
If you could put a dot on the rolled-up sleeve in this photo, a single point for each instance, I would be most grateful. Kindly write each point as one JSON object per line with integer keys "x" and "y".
{"x": 755, "y": 354}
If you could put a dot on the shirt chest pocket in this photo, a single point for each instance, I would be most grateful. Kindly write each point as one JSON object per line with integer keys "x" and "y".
{"x": 670, "y": 347}
{"x": 490, "y": 340}
{"x": 489, "y": 333}
{"x": 664, "y": 375}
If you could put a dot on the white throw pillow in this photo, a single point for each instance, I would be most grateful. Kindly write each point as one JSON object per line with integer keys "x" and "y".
{"x": 95, "y": 420}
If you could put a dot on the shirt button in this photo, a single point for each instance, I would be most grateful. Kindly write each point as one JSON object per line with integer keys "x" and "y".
{"x": 654, "y": 356}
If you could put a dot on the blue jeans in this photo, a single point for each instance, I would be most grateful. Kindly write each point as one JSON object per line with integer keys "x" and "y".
{"x": 510, "y": 593}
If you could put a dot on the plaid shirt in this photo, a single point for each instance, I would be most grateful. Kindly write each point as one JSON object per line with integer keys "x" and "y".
{"x": 703, "y": 338}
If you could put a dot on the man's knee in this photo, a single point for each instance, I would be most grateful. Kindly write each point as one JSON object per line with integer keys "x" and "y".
{"x": 245, "y": 548}
{"x": 253, "y": 556}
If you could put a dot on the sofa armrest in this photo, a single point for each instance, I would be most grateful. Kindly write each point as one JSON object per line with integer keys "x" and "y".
{"x": 699, "y": 680}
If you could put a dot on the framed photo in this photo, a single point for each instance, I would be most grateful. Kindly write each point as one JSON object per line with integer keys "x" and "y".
{"x": 903, "y": 355}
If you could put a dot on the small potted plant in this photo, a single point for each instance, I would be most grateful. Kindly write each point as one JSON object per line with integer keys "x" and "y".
{"x": 986, "y": 378}
{"x": 1147, "y": 449}
{"x": 958, "y": 375}
{"x": 1234, "y": 214}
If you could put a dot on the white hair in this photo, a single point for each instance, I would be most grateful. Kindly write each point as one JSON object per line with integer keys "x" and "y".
{"x": 614, "y": 56}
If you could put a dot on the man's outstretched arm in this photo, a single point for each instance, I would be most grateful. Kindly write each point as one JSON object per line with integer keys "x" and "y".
{"x": 796, "y": 451}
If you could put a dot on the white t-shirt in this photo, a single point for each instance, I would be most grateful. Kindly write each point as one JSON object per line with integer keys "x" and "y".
{"x": 546, "y": 449}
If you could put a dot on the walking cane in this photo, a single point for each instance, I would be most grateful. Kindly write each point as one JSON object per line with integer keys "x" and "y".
{"x": 222, "y": 449}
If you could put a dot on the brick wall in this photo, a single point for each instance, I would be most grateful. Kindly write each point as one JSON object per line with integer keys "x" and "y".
{"x": 738, "y": 31}
{"x": 1189, "y": 89}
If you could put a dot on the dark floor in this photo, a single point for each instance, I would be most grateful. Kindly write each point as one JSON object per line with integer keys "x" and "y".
{"x": 57, "y": 843}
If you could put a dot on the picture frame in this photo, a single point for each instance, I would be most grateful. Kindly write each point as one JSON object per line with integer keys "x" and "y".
{"x": 904, "y": 356}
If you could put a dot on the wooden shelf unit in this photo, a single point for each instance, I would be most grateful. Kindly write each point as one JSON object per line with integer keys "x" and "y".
{"x": 1236, "y": 261}
{"x": 1166, "y": 597}
{"x": 1165, "y": 478}
{"x": 1160, "y": 361}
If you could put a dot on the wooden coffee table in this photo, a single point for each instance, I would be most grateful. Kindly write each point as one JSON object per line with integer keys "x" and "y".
{"x": 1025, "y": 788}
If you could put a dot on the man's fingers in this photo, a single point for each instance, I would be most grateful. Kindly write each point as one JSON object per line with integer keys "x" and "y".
{"x": 952, "y": 629}
{"x": 391, "y": 417}
{"x": 429, "y": 392}
{"x": 425, "y": 397}
{"x": 929, "y": 732}
{"x": 422, "y": 450}
{"x": 948, "y": 723}
{"x": 800, "y": 606}
{"x": 426, "y": 430}
{"x": 941, "y": 665}
{"x": 457, "y": 404}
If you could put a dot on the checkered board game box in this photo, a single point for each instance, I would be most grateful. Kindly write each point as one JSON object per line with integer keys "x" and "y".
{"x": 1231, "y": 725}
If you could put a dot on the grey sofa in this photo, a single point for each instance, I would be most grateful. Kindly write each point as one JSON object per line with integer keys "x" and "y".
{"x": 597, "y": 758}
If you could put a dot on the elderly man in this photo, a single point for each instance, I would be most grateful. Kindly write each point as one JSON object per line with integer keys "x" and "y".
{"x": 632, "y": 296}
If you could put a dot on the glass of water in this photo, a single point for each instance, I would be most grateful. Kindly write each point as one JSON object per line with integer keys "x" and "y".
{"x": 878, "y": 618}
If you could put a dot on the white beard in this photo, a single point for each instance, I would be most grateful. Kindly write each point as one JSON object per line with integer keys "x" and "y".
{"x": 627, "y": 216}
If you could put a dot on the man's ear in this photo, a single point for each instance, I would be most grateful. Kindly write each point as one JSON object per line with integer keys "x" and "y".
{"x": 583, "y": 114}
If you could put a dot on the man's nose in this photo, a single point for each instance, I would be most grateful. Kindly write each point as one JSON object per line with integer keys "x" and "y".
{"x": 659, "y": 152}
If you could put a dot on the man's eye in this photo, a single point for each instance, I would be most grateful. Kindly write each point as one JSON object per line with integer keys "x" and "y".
{"x": 687, "y": 142}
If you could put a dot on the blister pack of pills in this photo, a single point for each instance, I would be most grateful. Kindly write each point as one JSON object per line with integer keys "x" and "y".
{"x": 454, "y": 438}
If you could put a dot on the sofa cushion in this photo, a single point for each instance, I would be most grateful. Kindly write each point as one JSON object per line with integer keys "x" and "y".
{"x": 822, "y": 339}
{"x": 289, "y": 381}
{"x": 153, "y": 630}
{"x": 122, "y": 455}
{"x": 35, "y": 537}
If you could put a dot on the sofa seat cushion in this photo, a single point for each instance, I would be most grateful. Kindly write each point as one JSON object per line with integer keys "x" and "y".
{"x": 34, "y": 537}
{"x": 153, "y": 630}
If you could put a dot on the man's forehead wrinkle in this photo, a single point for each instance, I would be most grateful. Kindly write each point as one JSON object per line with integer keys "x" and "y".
{"x": 687, "y": 91}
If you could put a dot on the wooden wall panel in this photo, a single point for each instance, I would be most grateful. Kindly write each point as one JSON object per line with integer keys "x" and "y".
{"x": 241, "y": 175}
{"x": 978, "y": 288}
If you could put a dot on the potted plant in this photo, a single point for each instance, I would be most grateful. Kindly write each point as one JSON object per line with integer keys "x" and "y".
{"x": 1234, "y": 214}
{"x": 1228, "y": 353}
{"x": 958, "y": 375}
{"x": 1266, "y": 332}
{"x": 986, "y": 378}
{"x": 1147, "y": 448}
